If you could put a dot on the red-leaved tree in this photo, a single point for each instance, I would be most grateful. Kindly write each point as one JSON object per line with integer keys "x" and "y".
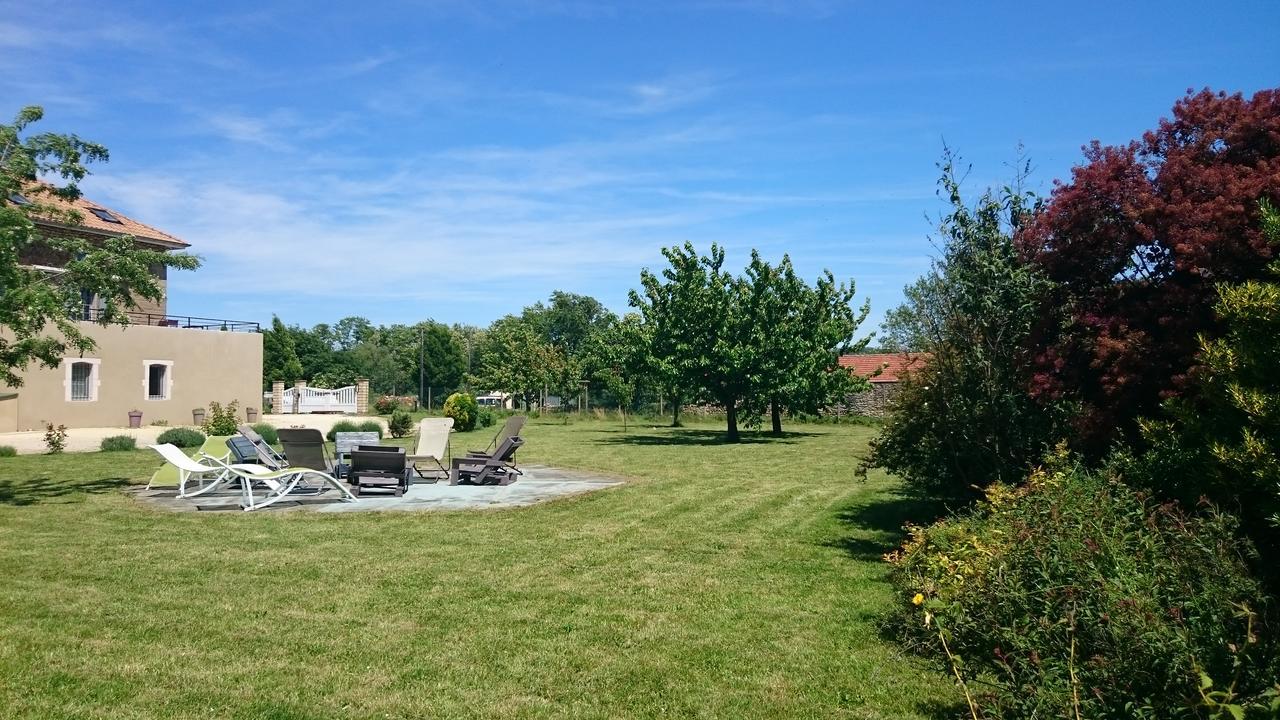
{"x": 1135, "y": 243}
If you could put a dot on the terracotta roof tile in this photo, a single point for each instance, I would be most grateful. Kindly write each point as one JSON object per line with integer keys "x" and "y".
{"x": 93, "y": 222}
{"x": 895, "y": 364}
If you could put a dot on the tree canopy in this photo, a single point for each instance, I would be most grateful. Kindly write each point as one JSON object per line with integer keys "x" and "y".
{"x": 1135, "y": 244}
{"x": 746, "y": 343}
{"x": 117, "y": 271}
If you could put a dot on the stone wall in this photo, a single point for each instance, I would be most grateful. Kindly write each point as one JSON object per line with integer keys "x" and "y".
{"x": 873, "y": 402}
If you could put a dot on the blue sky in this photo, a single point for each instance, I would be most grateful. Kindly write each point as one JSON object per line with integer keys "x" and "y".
{"x": 459, "y": 160}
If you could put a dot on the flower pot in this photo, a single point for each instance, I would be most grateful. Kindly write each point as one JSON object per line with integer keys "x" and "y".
{"x": 251, "y": 414}
{"x": 135, "y": 418}
{"x": 198, "y": 416}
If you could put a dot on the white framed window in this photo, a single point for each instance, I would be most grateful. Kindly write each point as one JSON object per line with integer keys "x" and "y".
{"x": 157, "y": 379}
{"x": 81, "y": 379}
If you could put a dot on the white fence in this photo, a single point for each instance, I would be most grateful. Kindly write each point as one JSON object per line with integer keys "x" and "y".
{"x": 318, "y": 400}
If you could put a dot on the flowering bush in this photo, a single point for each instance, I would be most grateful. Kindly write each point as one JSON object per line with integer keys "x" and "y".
{"x": 1075, "y": 596}
{"x": 387, "y": 404}
{"x": 55, "y": 438}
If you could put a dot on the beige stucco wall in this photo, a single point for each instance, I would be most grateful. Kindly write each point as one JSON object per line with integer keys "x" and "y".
{"x": 207, "y": 365}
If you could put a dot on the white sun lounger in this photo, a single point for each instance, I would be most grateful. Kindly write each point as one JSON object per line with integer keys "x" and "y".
{"x": 432, "y": 447}
{"x": 279, "y": 483}
{"x": 216, "y": 475}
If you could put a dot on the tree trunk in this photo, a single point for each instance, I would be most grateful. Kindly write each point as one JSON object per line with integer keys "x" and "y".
{"x": 731, "y": 412}
{"x": 675, "y": 412}
{"x": 623, "y": 410}
{"x": 775, "y": 412}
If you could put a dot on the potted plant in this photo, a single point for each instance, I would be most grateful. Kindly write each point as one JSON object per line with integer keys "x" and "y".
{"x": 198, "y": 416}
{"x": 135, "y": 418}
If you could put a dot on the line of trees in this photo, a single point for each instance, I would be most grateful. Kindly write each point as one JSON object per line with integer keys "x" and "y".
{"x": 426, "y": 357}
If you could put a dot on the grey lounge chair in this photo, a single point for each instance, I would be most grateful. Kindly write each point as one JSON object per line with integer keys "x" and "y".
{"x": 344, "y": 443}
{"x": 511, "y": 428}
{"x": 267, "y": 455}
{"x": 243, "y": 451}
{"x": 496, "y": 469}
{"x": 379, "y": 468}
{"x": 304, "y": 448}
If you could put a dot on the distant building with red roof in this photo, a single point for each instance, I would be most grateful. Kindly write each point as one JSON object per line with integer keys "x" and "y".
{"x": 885, "y": 371}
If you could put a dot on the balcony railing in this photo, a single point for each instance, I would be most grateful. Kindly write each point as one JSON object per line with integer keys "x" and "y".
{"x": 177, "y": 321}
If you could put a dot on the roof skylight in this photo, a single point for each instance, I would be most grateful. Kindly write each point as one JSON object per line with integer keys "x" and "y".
{"x": 105, "y": 215}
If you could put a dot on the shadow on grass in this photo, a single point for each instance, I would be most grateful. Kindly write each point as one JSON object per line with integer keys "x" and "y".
{"x": 46, "y": 489}
{"x": 677, "y": 437}
{"x": 876, "y": 526}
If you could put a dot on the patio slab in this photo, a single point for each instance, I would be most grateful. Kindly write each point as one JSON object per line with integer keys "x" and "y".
{"x": 538, "y": 484}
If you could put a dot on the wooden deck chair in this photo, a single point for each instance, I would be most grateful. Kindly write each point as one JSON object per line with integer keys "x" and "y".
{"x": 496, "y": 469}
{"x": 278, "y": 483}
{"x": 267, "y": 455}
{"x": 379, "y": 468}
{"x": 217, "y": 473}
{"x": 432, "y": 450}
{"x": 511, "y": 428}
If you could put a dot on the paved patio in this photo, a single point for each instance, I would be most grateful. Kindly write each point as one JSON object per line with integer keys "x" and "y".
{"x": 538, "y": 484}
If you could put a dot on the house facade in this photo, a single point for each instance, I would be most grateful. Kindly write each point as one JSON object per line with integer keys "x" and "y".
{"x": 161, "y": 365}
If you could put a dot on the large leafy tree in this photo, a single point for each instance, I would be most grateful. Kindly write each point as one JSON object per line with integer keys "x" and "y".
{"x": 280, "y": 354}
{"x": 617, "y": 359}
{"x": 568, "y": 320}
{"x": 676, "y": 308}
{"x": 802, "y": 331}
{"x": 512, "y": 358}
{"x": 36, "y": 304}
{"x": 443, "y": 357}
{"x": 1135, "y": 244}
{"x": 762, "y": 340}
{"x": 964, "y": 418}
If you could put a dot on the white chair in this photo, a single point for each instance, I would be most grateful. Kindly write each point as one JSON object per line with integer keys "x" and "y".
{"x": 190, "y": 468}
{"x": 279, "y": 483}
{"x": 433, "y": 446}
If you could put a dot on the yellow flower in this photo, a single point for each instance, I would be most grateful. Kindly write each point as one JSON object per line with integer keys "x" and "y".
{"x": 919, "y": 598}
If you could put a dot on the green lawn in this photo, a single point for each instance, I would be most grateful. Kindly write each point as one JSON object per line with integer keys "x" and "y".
{"x": 722, "y": 581}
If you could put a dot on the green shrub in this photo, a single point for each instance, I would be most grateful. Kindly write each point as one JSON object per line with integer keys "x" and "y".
{"x": 55, "y": 438}
{"x": 353, "y": 426}
{"x": 341, "y": 426}
{"x": 1075, "y": 596}
{"x": 222, "y": 419}
{"x": 8, "y": 451}
{"x": 267, "y": 431}
{"x": 181, "y": 437}
{"x": 463, "y": 409}
{"x": 485, "y": 417}
{"x": 117, "y": 443}
{"x": 401, "y": 423}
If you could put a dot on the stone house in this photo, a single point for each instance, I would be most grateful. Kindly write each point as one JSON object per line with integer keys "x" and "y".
{"x": 161, "y": 365}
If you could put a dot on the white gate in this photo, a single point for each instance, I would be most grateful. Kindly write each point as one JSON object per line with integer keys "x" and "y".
{"x": 319, "y": 400}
